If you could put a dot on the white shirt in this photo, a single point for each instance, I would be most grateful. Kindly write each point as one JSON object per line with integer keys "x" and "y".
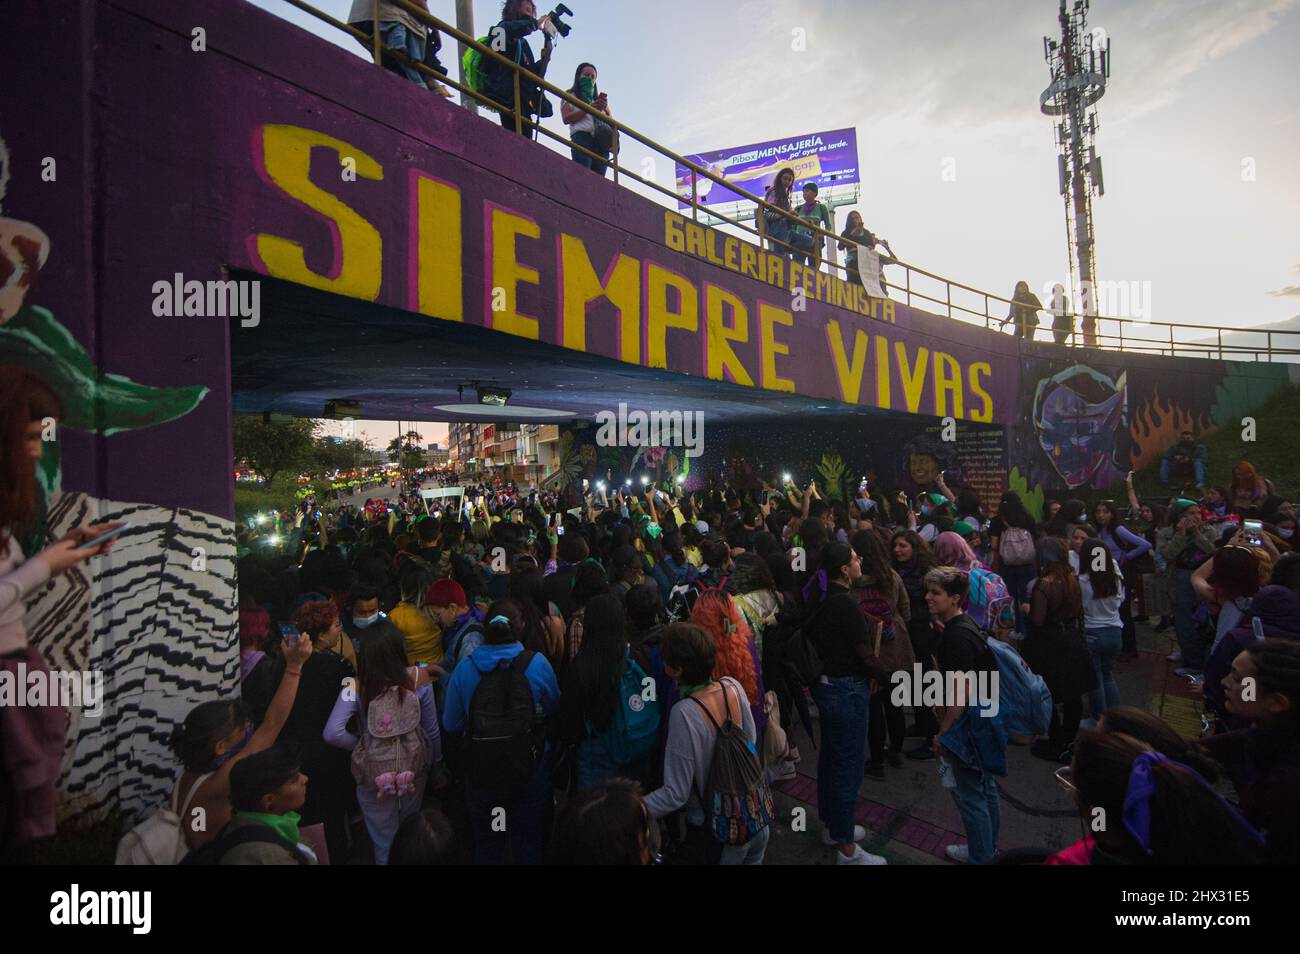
{"x": 1100, "y": 611}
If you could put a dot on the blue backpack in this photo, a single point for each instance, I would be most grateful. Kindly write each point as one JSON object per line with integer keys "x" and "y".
{"x": 634, "y": 732}
{"x": 1025, "y": 702}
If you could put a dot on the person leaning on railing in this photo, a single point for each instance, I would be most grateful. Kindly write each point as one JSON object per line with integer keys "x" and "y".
{"x": 585, "y": 129}
{"x": 1025, "y": 307}
{"x": 518, "y": 21}
{"x": 401, "y": 30}
{"x": 814, "y": 213}
{"x": 786, "y": 239}
{"x": 856, "y": 233}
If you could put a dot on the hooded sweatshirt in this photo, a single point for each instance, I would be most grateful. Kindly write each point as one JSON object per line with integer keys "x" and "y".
{"x": 465, "y": 679}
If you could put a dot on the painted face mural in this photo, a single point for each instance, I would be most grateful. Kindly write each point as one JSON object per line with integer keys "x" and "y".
{"x": 1077, "y": 415}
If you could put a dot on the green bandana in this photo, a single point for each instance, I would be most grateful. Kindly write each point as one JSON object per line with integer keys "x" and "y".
{"x": 286, "y": 825}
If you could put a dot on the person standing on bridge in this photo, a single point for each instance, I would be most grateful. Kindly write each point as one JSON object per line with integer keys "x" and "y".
{"x": 518, "y": 21}
{"x": 1062, "y": 320}
{"x": 1025, "y": 307}
{"x": 399, "y": 29}
{"x": 815, "y": 214}
{"x": 585, "y": 129}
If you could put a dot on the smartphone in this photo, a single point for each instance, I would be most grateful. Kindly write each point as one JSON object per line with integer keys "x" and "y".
{"x": 289, "y": 633}
{"x": 1254, "y": 532}
{"x": 103, "y": 537}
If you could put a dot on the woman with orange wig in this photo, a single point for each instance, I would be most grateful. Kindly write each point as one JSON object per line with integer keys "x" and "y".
{"x": 1247, "y": 488}
{"x": 717, "y": 614}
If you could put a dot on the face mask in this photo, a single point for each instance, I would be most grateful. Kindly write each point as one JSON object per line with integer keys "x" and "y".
{"x": 1285, "y": 534}
{"x": 586, "y": 89}
{"x": 361, "y": 622}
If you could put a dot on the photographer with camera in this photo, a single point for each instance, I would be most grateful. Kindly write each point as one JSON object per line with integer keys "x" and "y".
{"x": 585, "y": 129}
{"x": 509, "y": 38}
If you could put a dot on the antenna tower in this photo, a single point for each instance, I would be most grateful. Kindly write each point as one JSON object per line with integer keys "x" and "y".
{"x": 1079, "y": 63}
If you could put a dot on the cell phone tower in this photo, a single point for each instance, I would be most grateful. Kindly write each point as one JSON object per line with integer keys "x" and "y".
{"x": 1079, "y": 64}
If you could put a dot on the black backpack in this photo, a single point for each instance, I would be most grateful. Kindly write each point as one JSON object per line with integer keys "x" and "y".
{"x": 503, "y": 738}
{"x": 232, "y": 838}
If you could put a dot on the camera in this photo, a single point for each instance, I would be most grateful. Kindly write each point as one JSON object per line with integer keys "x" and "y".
{"x": 560, "y": 26}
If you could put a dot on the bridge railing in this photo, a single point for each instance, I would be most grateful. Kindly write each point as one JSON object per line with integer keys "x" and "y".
{"x": 936, "y": 293}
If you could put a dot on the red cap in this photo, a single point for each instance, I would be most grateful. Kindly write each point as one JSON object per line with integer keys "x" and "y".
{"x": 445, "y": 593}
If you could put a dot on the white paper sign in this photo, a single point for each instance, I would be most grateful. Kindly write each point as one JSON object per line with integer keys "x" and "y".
{"x": 869, "y": 271}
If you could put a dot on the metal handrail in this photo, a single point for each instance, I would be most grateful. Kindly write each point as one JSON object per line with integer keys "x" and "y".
{"x": 1125, "y": 341}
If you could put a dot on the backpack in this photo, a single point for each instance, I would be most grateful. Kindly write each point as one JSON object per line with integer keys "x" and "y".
{"x": 1016, "y": 547}
{"x": 682, "y": 599}
{"x": 634, "y": 730}
{"x": 474, "y": 69}
{"x": 230, "y": 839}
{"x": 875, "y": 605}
{"x": 503, "y": 738}
{"x": 737, "y": 800}
{"x": 1024, "y": 701}
{"x": 159, "y": 840}
{"x": 393, "y": 750}
{"x": 988, "y": 601}
{"x": 451, "y": 651}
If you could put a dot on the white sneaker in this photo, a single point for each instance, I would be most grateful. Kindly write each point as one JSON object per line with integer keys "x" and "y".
{"x": 859, "y": 857}
{"x": 858, "y": 834}
{"x": 958, "y": 853}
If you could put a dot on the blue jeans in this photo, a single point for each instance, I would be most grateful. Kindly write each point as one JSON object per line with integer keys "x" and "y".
{"x": 1189, "y": 637}
{"x": 806, "y": 242}
{"x": 747, "y": 854}
{"x": 1198, "y": 470}
{"x": 526, "y": 819}
{"x": 842, "y": 703}
{"x": 976, "y": 796}
{"x": 397, "y": 36}
{"x": 588, "y": 141}
{"x": 783, "y": 231}
{"x": 1104, "y": 644}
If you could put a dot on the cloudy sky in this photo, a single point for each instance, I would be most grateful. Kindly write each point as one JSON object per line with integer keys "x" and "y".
{"x": 1202, "y": 93}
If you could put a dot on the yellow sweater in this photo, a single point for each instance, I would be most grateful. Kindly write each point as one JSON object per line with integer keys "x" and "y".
{"x": 423, "y": 634}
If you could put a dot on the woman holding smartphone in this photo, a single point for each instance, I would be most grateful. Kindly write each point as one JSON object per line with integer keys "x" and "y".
{"x": 586, "y": 130}
{"x": 29, "y": 411}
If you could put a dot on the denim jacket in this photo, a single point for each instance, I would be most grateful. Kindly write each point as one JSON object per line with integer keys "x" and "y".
{"x": 977, "y": 742}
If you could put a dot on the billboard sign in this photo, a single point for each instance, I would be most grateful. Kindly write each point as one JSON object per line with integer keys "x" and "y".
{"x": 826, "y": 158}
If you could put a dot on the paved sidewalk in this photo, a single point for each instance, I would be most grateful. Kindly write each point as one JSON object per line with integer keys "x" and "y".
{"x": 910, "y": 818}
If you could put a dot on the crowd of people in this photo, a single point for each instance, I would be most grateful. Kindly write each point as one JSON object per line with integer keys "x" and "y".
{"x": 651, "y": 662}
{"x": 599, "y": 675}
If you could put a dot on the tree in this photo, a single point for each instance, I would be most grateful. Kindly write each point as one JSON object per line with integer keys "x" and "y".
{"x": 332, "y": 455}
{"x": 271, "y": 447}
{"x": 407, "y": 451}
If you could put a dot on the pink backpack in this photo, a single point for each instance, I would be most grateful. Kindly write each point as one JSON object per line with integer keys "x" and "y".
{"x": 393, "y": 751}
{"x": 1016, "y": 547}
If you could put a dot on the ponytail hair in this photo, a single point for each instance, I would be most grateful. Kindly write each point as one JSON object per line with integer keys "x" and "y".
{"x": 504, "y": 623}
{"x": 194, "y": 741}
